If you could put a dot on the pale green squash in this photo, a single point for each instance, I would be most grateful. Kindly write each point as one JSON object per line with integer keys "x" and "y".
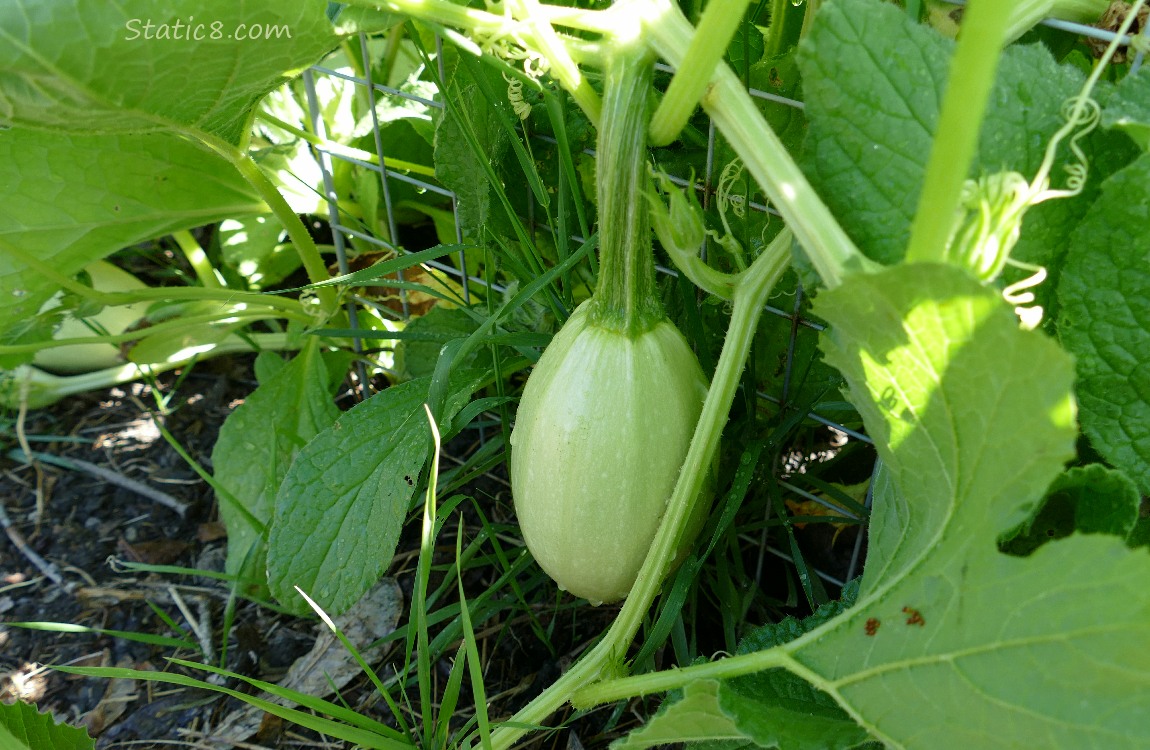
{"x": 600, "y": 436}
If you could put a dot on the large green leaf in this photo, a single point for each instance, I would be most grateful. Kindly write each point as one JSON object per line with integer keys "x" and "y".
{"x": 953, "y": 644}
{"x": 191, "y": 65}
{"x": 1129, "y": 109}
{"x": 257, "y": 444}
{"x": 341, "y": 506}
{"x": 70, "y": 199}
{"x": 1105, "y": 321}
{"x": 103, "y": 96}
{"x": 457, "y": 165}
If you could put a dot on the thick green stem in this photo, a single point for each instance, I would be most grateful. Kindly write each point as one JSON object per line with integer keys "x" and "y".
{"x": 626, "y": 298}
{"x": 830, "y": 250}
{"x": 176, "y": 326}
{"x": 609, "y": 691}
{"x": 749, "y": 297}
{"x": 563, "y": 68}
{"x": 1025, "y": 13}
{"x": 300, "y": 237}
{"x": 969, "y": 83}
{"x": 721, "y": 18}
{"x": 198, "y": 260}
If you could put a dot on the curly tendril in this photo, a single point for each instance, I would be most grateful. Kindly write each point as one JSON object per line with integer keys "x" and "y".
{"x": 515, "y": 95}
{"x": 1082, "y": 116}
{"x": 1018, "y": 294}
{"x": 510, "y": 41}
{"x": 726, "y": 199}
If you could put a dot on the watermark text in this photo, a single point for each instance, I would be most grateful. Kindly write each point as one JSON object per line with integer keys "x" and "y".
{"x": 190, "y": 29}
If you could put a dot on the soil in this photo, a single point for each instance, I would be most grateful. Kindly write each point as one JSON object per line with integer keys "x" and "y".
{"x": 87, "y": 528}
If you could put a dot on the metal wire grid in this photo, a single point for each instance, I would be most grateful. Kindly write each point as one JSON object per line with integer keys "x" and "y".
{"x": 342, "y": 231}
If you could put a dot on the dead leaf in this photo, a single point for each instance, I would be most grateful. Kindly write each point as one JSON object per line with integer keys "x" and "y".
{"x": 117, "y": 695}
{"x": 328, "y": 666}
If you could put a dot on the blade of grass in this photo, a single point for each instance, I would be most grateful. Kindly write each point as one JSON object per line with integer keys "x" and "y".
{"x": 355, "y": 653}
{"x": 479, "y": 695}
{"x": 65, "y": 627}
{"x": 383, "y": 268}
{"x": 169, "y": 621}
{"x": 450, "y": 697}
{"x": 419, "y": 596}
{"x": 356, "y": 734}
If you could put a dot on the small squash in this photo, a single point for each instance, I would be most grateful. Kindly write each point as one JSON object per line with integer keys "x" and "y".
{"x": 97, "y": 355}
{"x": 600, "y": 435}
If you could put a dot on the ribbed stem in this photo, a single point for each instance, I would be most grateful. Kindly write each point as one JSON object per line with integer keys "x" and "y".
{"x": 626, "y": 298}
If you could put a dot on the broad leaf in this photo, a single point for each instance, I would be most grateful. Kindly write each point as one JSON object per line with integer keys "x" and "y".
{"x": 256, "y": 249}
{"x": 418, "y": 352}
{"x": 341, "y": 506}
{"x": 873, "y": 84}
{"x": 777, "y": 709}
{"x": 953, "y": 644}
{"x": 22, "y": 727}
{"x": 167, "y": 65}
{"x": 1129, "y": 108}
{"x": 121, "y": 87}
{"x": 257, "y": 444}
{"x": 1105, "y": 322}
{"x": 457, "y": 165}
{"x": 694, "y": 717}
{"x": 73, "y": 199}
{"x": 1092, "y": 499}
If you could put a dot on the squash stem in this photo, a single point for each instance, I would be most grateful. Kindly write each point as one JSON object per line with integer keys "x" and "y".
{"x": 717, "y": 26}
{"x": 823, "y": 239}
{"x": 972, "y": 71}
{"x": 626, "y": 298}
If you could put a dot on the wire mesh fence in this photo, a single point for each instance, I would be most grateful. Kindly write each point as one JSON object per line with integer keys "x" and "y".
{"x": 704, "y": 186}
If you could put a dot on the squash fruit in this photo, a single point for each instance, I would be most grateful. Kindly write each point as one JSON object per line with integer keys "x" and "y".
{"x": 97, "y": 355}
{"x": 608, "y": 413}
{"x": 601, "y": 432}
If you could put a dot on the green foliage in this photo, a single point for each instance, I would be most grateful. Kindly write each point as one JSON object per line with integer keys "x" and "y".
{"x": 255, "y": 447}
{"x": 771, "y": 709}
{"x": 1002, "y": 603}
{"x": 1105, "y": 321}
{"x": 1129, "y": 108}
{"x": 966, "y": 462}
{"x": 120, "y": 189}
{"x": 23, "y": 728}
{"x": 341, "y": 505}
{"x": 423, "y": 338}
{"x": 469, "y": 139}
{"x": 873, "y": 84}
{"x": 1089, "y": 499}
{"x": 112, "y": 74}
